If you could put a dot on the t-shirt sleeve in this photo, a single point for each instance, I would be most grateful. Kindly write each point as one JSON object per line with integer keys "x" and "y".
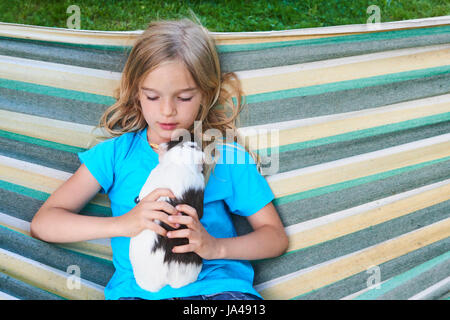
{"x": 251, "y": 192}
{"x": 100, "y": 162}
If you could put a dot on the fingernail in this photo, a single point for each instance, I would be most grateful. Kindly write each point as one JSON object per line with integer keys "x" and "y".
{"x": 177, "y": 225}
{"x": 169, "y": 234}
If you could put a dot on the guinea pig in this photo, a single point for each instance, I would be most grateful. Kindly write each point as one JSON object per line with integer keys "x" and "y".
{"x": 154, "y": 264}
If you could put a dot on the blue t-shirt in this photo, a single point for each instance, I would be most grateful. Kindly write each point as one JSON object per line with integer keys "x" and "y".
{"x": 121, "y": 166}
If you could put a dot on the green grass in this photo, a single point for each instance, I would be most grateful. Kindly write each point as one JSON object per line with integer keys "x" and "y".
{"x": 223, "y": 16}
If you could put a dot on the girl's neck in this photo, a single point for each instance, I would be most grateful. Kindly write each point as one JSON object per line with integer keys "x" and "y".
{"x": 150, "y": 141}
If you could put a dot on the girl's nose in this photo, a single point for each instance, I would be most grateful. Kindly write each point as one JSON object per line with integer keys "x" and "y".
{"x": 168, "y": 108}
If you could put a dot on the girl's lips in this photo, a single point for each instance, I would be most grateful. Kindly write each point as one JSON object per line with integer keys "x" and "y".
{"x": 168, "y": 126}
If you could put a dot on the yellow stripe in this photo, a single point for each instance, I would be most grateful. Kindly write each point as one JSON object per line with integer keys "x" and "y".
{"x": 41, "y": 183}
{"x": 351, "y": 71}
{"x": 105, "y": 85}
{"x": 88, "y": 248}
{"x": 354, "y": 223}
{"x": 332, "y": 128}
{"x": 309, "y": 181}
{"x": 46, "y": 279}
{"x": 357, "y": 263}
{"x": 99, "y": 83}
{"x": 55, "y": 131}
{"x": 47, "y": 129}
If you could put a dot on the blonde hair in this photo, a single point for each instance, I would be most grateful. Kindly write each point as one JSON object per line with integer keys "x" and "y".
{"x": 191, "y": 43}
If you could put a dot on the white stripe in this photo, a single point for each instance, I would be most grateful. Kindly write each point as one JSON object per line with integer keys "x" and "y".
{"x": 323, "y": 64}
{"x": 5, "y": 296}
{"x": 14, "y": 222}
{"x": 290, "y": 276}
{"x": 108, "y": 37}
{"x": 350, "y": 28}
{"x": 58, "y": 272}
{"x": 359, "y": 158}
{"x": 25, "y": 226}
{"x": 34, "y": 168}
{"x": 442, "y": 286}
{"x": 27, "y": 118}
{"x": 329, "y": 218}
{"x": 291, "y": 124}
{"x": 63, "y": 68}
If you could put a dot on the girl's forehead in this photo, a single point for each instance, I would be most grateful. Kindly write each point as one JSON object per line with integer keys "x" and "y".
{"x": 172, "y": 76}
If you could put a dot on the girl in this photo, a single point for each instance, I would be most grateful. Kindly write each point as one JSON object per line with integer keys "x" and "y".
{"x": 171, "y": 79}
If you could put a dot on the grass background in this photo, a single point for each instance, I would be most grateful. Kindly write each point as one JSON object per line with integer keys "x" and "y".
{"x": 217, "y": 16}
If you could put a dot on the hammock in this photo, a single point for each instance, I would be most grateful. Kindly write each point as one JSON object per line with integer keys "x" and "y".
{"x": 362, "y": 120}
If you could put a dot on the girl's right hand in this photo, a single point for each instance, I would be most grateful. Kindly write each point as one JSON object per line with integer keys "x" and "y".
{"x": 142, "y": 216}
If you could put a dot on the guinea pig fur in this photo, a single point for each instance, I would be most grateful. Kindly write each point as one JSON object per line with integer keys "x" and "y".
{"x": 154, "y": 264}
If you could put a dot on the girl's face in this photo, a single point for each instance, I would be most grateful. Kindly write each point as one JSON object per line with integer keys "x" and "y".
{"x": 170, "y": 100}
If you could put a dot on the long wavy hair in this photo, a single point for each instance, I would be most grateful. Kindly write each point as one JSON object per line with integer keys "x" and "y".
{"x": 191, "y": 43}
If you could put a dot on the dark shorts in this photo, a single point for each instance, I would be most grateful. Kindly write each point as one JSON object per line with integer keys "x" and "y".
{"x": 227, "y": 295}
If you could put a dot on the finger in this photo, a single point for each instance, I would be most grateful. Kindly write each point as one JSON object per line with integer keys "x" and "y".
{"x": 169, "y": 210}
{"x": 161, "y": 206}
{"x": 161, "y": 216}
{"x": 183, "y": 233}
{"x": 187, "y": 209}
{"x": 157, "y": 193}
{"x": 157, "y": 228}
{"x": 184, "y": 248}
{"x": 186, "y": 220}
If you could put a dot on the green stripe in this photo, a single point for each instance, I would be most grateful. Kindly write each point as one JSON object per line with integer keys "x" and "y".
{"x": 56, "y": 92}
{"x": 359, "y": 134}
{"x": 43, "y": 196}
{"x": 339, "y": 40}
{"x": 40, "y": 142}
{"x": 347, "y": 84}
{"x": 402, "y": 278}
{"x": 352, "y": 183}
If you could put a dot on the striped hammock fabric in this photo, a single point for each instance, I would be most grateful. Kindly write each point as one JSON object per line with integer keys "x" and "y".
{"x": 356, "y": 117}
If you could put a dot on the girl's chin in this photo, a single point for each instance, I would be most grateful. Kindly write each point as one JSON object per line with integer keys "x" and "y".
{"x": 166, "y": 136}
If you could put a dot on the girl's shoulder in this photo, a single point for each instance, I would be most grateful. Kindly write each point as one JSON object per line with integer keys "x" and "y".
{"x": 124, "y": 140}
{"x": 113, "y": 147}
{"x": 233, "y": 153}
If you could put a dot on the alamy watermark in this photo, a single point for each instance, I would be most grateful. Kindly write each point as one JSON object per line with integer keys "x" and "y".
{"x": 73, "y": 281}
{"x": 74, "y": 21}
{"x": 265, "y": 141}
{"x": 374, "y": 280}
{"x": 374, "y": 20}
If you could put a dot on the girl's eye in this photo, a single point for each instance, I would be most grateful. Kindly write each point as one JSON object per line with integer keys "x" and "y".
{"x": 182, "y": 99}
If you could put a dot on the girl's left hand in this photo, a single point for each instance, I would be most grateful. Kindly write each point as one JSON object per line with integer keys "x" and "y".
{"x": 200, "y": 241}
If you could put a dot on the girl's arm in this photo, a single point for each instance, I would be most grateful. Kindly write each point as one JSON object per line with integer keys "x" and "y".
{"x": 268, "y": 239}
{"x": 58, "y": 219}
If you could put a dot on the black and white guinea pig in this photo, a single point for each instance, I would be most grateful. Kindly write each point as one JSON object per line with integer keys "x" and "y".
{"x": 154, "y": 264}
